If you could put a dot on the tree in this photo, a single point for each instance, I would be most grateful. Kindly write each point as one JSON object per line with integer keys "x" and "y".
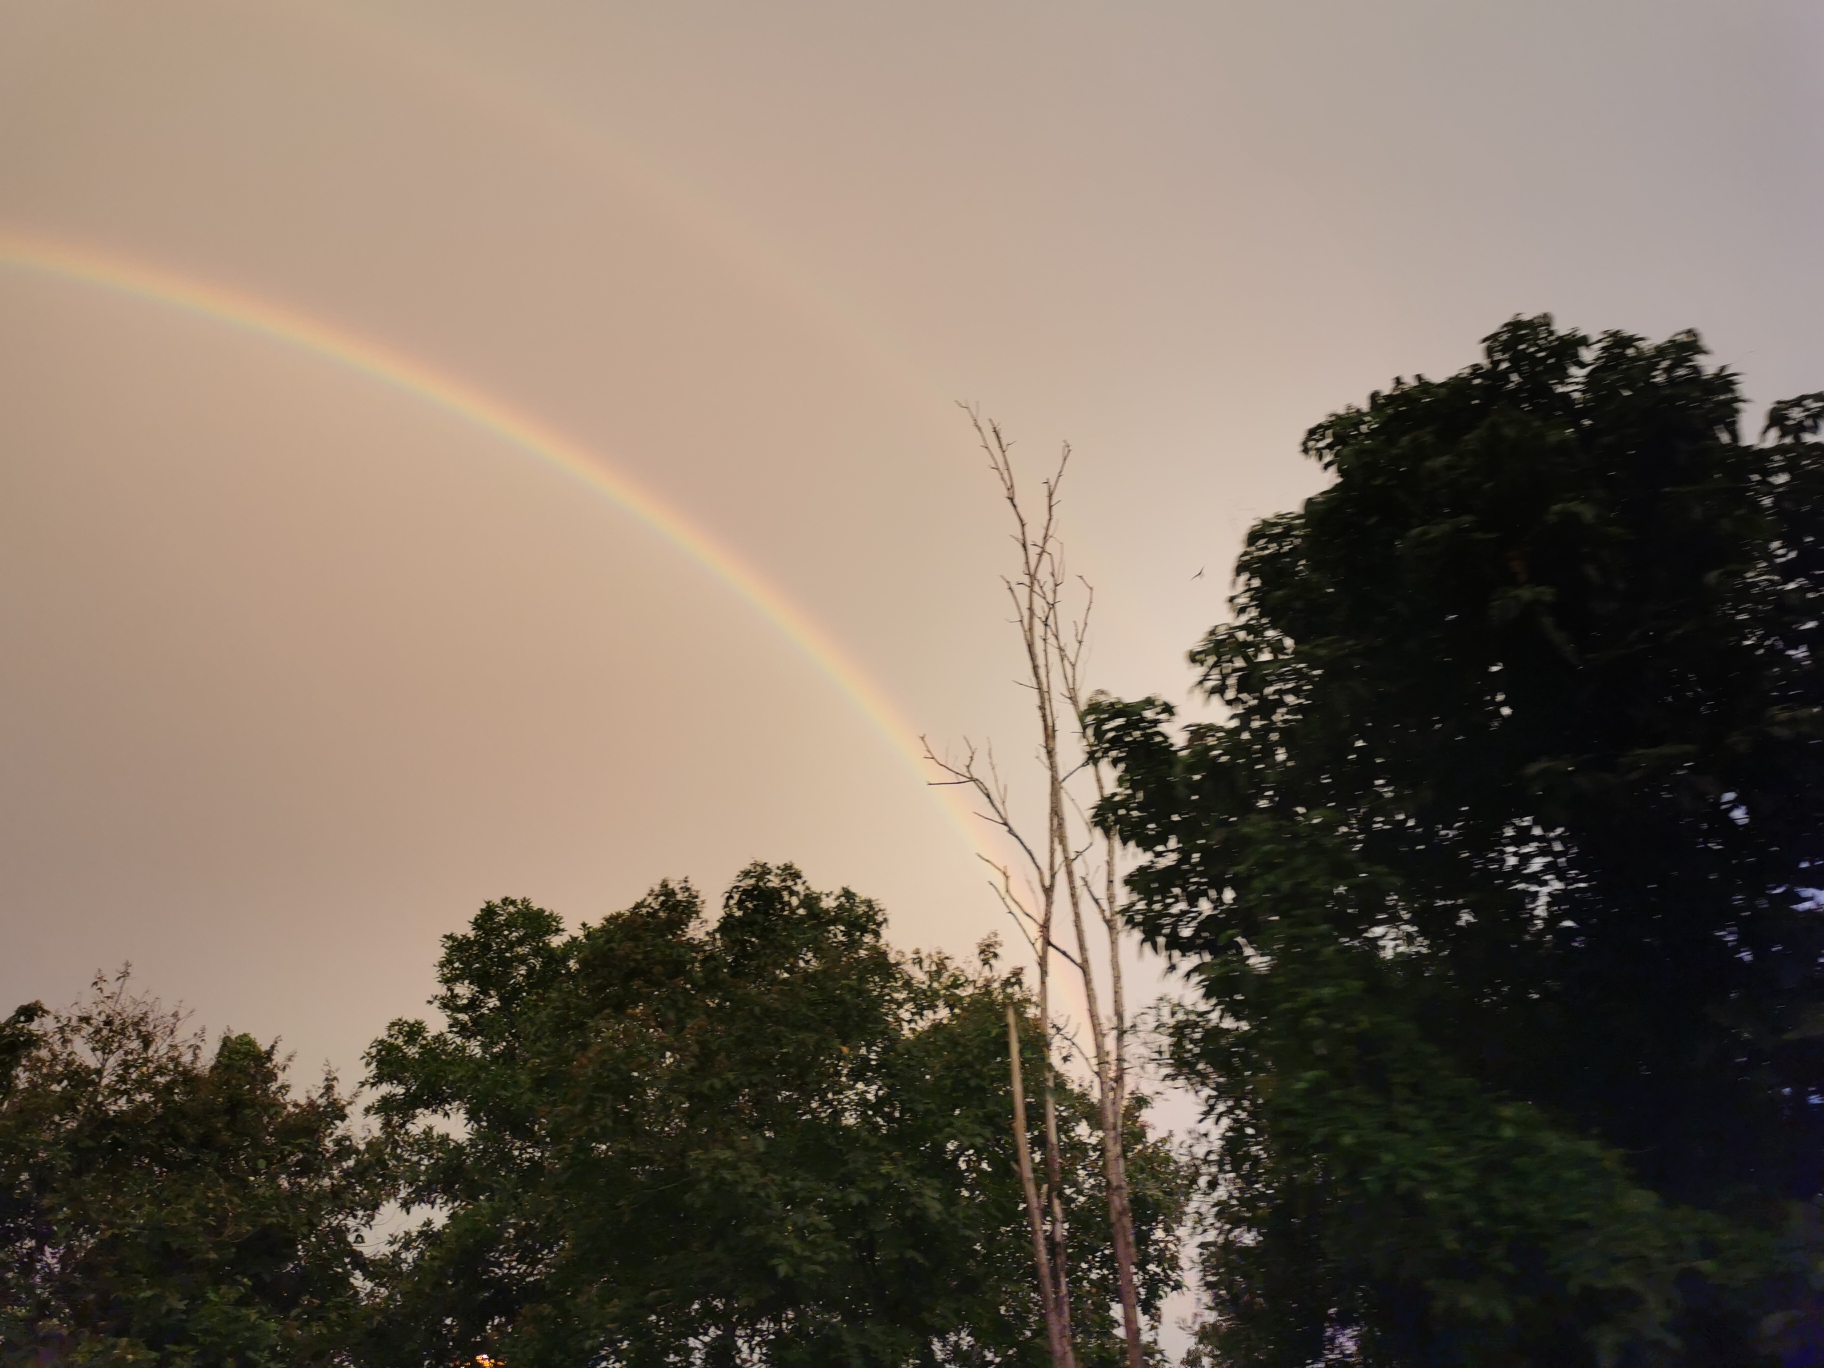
{"x": 1069, "y": 873}
{"x": 160, "y": 1205}
{"x": 1496, "y": 875}
{"x": 764, "y": 1139}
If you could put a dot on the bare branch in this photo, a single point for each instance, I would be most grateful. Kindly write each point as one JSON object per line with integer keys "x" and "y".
{"x": 1063, "y": 874}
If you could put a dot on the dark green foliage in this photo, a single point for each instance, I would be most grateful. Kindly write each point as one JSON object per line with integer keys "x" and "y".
{"x": 764, "y": 1140}
{"x": 16, "y": 1041}
{"x": 1494, "y": 879}
{"x": 162, "y": 1207}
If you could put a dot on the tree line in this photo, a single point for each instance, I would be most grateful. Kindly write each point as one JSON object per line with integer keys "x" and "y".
{"x": 1487, "y": 874}
{"x": 663, "y": 1138}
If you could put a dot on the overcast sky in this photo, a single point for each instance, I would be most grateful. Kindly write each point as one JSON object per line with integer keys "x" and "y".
{"x": 297, "y": 668}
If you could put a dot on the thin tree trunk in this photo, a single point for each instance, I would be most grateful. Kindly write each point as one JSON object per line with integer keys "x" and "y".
{"x": 1055, "y": 1331}
{"x": 1037, "y": 610}
{"x": 1120, "y": 1204}
{"x": 1111, "y": 1106}
{"x": 1054, "y": 1164}
{"x": 1110, "y": 1043}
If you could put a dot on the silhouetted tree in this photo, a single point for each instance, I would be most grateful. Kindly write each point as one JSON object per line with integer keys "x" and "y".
{"x": 1496, "y": 875}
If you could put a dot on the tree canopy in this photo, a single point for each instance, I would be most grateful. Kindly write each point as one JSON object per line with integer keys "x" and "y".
{"x": 758, "y": 1138}
{"x": 161, "y": 1204}
{"x": 1495, "y": 874}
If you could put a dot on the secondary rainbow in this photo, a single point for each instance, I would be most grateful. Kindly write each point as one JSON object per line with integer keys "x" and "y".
{"x": 250, "y": 313}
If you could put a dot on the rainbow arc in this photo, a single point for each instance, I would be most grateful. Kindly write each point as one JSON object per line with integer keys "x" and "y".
{"x": 265, "y": 318}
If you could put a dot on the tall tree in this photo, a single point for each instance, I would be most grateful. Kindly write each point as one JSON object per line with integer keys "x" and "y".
{"x": 760, "y": 1138}
{"x": 1496, "y": 875}
{"x": 164, "y": 1205}
{"x": 1069, "y": 875}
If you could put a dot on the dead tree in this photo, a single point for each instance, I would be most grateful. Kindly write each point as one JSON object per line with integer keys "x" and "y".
{"x": 1070, "y": 871}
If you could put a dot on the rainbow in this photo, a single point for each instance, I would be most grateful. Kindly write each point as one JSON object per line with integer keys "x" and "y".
{"x": 363, "y": 34}
{"x": 262, "y": 317}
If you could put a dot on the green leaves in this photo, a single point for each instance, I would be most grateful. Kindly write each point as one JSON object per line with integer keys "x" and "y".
{"x": 1494, "y": 874}
{"x": 764, "y": 1137}
{"x": 161, "y": 1206}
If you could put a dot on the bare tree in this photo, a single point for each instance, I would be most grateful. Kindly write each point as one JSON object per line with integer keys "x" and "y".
{"x": 1072, "y": 870}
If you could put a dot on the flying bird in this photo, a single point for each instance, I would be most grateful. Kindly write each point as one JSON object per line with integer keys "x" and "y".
{"x": 1199, "y": 574}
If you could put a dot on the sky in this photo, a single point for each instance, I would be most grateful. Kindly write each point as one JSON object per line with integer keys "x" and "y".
{"x": 452, "y": 450}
